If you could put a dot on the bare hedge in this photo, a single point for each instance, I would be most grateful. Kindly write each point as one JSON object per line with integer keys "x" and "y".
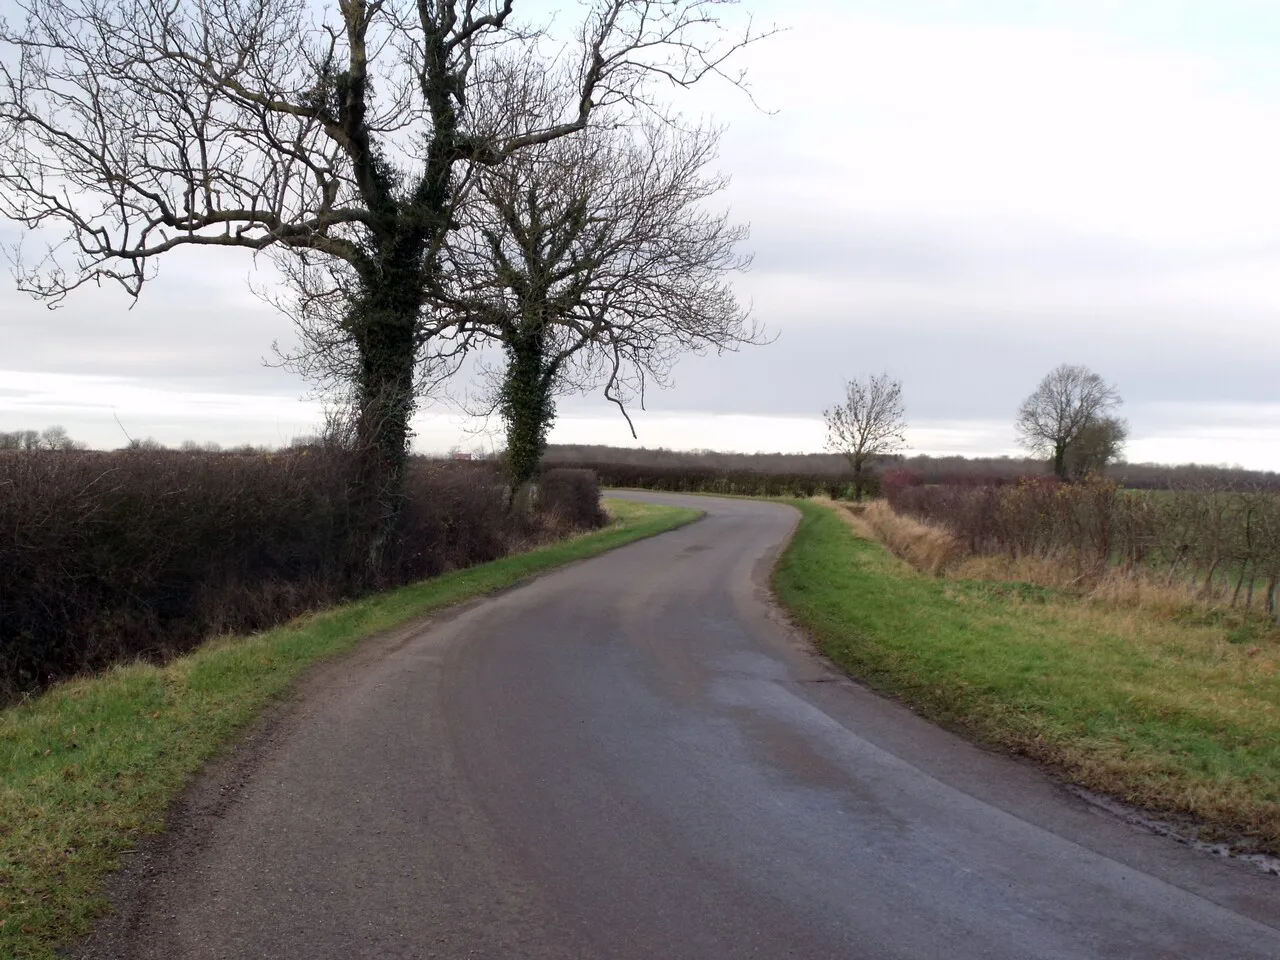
{"x": 571, "y": 495}
{"x": 109, "y": 557}
{"x": 685, "y": 478}
{"x": 1225, "y": 542}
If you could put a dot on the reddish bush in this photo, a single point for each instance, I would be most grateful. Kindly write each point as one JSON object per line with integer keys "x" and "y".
{"x": 897, "y": 479}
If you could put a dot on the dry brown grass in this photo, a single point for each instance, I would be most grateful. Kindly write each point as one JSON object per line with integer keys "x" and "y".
{"x": 935, "y": 551}
{"x": 926, "y": 548}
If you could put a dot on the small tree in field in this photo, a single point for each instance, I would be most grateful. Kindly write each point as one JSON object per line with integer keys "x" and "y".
{"x": 870, "y": 423}
{"x": 1068, "y": 402}
{"x": 57, "y": 438}
{"x": 1097, "y": 445}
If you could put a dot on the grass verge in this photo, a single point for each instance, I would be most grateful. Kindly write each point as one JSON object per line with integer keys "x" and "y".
{"x": 1170, "y": 715}
{"x": 90, "y": 767}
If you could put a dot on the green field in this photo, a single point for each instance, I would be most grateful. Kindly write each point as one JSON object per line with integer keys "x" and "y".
{"x": 90, "y": 767}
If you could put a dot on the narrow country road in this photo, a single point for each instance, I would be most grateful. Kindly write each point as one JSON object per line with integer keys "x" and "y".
{"x": 632, "y": 758}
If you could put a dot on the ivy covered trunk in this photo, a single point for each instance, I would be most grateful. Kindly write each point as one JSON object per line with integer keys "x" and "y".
{"x": 1060, "y": 460}
{"x": 527, "y": 407}
{"x": 384, "y": 323}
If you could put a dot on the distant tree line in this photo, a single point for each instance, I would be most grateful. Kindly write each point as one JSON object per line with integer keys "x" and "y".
{"x": 960, "y": 470}
{"x": 691, "y": 478}
{"x": 50, "y": 438}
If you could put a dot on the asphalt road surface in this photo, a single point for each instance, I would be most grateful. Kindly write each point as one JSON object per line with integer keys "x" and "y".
{"x": 631, "y": 758}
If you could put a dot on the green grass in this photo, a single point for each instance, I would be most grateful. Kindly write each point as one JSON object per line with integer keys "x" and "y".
{"x": 1178, "y": 717}
{"x": 89, "y": 768}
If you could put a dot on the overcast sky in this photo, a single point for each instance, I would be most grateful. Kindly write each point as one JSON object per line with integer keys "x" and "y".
{"x": 965, "y": 194}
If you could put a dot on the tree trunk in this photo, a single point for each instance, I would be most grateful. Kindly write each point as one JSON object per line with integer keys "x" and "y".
{"x": 857, "y": 480}
{"x": 383, "y": 321}
{"x": 528, "y": 409}
{"x": 1060, "y": 460}
{"x": 1208, "y": 579}
{"x": 1235, "y": 594}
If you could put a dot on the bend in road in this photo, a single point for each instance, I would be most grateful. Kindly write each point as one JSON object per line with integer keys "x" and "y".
{"x": 635, "y": 758}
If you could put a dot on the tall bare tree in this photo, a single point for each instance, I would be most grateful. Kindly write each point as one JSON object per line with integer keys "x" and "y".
{"x": 1068, "y": 401}
{"x": 56, "y": 437}
{"x": 595, "y": 263}
{"x": 869, "y": 423}
{"x": 337, "y": 133}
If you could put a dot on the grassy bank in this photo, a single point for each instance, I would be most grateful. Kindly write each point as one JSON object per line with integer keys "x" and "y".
{"x": 1169, "y": 714}
{"x": 90, "y": 767}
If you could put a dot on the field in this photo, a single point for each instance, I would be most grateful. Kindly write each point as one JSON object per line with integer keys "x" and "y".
{"x": 88, "y": 769}
{"x": 1175, "y": 708}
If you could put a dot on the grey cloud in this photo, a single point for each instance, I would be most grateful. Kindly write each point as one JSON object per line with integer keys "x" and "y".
{"x": 822, "y": 245}
{"x": 827, "y": 248}
{"x": 961, "y": 365}
{"x": 197, "y": 326}
{"x": 190, "y": 340}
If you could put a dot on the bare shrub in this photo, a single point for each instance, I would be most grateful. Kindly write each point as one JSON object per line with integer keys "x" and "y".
{"x": 1224, "y": 544}
{"x": 573, "y": 495}
{"x": 898, "y": 479}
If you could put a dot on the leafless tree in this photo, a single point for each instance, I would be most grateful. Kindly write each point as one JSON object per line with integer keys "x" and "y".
{"x": 50, "y": 438}
{"x": 595, "y": 263}
{"x": 20, "y": 440}
{"x": 1068, "y": 401}
{"x": 144, "y": 443}
{"x": 336, "y": 133}
{"x": 871, "y": 422}
{"x": 57, "y": 438}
